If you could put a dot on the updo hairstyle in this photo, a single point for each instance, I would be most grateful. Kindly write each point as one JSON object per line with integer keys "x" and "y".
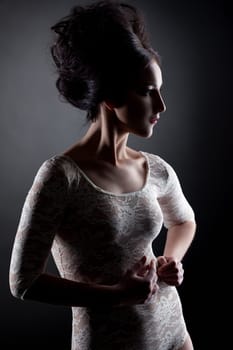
{"x": 98, "y": 51}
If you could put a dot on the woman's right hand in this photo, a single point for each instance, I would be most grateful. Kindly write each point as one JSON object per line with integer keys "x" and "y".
{"x": 139, "y": 283}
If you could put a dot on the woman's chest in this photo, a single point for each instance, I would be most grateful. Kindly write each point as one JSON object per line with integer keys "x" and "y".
{"x": 123, "y": 178}
{"x": 93, "y": 213}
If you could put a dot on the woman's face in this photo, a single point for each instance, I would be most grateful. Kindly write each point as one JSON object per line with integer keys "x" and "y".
{"x": 144, "y": 103}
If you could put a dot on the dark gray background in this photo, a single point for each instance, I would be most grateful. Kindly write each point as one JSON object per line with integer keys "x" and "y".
{"x": 194, "y": 135}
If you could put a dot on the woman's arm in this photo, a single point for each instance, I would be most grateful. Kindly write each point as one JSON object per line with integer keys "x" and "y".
{"x": 41, "y": 218}
{"x": 169, "y": 266}
{"x": 179, "y": 238}
{"x": 179, "y": 219}
{"x": 136, "y": 286}
{"x": 60, "y": 291}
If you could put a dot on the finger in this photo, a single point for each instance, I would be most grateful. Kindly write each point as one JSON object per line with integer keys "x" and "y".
{"x": 151, "y": 270}
{"x": 155, "y": 288}
{"x": 170, "y": 266}
{"x": 171, "y": 275}
{"x": 139, "y": 264}
{"x": 165, "y": 276}
{"x": 142, "y": 272}
{"x": 153, "y": 292}
{"x": 143, "y": 259}
{"x": 177, "y": 270}
{"x": 152, "y": 263}
{"x": 171, "y": 272}
{"x": 161, "y": 260}
{"x": 173, "y": 281}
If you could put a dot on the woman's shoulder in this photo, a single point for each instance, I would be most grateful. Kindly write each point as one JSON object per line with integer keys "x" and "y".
{"x": 162, "y": 172}
{"x": 158, "y": 164}
{"x": 58, "y": 165}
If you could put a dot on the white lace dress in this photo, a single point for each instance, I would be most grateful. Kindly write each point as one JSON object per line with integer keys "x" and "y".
{"x": 96, "y": 235}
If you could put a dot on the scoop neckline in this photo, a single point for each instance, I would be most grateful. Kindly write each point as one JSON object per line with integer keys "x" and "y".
{"x": 99, "y": 189}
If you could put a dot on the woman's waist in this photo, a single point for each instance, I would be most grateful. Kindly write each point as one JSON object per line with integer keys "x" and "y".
{"x": 99, "y": 267}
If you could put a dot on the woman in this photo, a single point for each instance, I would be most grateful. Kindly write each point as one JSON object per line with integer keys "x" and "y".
{"x": 99, "y": 205}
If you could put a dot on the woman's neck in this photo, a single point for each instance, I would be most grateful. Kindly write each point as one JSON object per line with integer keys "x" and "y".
{"x": 105, "y": 139}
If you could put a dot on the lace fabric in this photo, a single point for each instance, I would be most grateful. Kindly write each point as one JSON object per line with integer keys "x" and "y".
{"x": 95, "y": 236}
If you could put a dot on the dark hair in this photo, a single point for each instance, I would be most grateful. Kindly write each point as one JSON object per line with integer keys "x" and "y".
{"x": 98, "y": 51}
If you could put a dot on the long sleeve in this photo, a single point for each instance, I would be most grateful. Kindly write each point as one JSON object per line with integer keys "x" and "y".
{"x": 41, "y": 216}
{"x": 175, "y": 207}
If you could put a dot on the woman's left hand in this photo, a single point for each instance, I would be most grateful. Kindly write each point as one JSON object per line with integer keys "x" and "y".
{"x": 170, "y": 270}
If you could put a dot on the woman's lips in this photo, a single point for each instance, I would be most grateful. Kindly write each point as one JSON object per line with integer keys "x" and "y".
{"x": 154, "y": 120}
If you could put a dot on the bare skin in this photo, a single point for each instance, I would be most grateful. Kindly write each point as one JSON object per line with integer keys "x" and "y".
{"x": 104, "y": 146}
{"x": 103, "y": 155}
{"x": 188, "y": 345}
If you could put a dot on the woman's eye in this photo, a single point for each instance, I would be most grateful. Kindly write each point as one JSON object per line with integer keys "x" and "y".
{"x": 144, "y": 91}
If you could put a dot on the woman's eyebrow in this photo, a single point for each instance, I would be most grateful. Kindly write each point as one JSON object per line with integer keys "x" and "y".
{"x": 149, "y": 83}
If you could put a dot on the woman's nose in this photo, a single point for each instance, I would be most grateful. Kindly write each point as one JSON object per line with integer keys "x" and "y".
{"x": 158, "y": 103}
{"x": 163, "y": 106}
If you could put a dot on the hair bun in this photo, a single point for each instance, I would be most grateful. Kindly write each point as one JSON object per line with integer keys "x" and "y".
{"x": 97, "y": 50}
{"x": 79, "y": 92}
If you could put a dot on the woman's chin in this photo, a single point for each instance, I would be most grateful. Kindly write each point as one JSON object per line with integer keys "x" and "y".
{"x": 146, "y": 133}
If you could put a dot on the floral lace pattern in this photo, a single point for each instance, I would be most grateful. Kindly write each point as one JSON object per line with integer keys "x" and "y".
{"x": 95, "y": 235}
